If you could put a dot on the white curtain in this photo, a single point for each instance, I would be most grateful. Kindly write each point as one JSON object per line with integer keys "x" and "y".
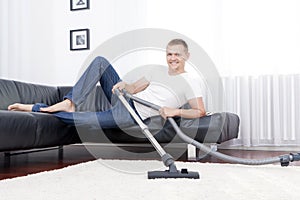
{"x": 3, "y": 36}
{"x": 14, "y": 38}
{"x": 268, "y": 107}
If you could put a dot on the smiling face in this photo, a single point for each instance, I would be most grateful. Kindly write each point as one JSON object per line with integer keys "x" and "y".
{"x": 176, "y": 57}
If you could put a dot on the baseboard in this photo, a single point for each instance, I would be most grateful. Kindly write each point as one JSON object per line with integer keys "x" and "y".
{"x": 261, "y": 148}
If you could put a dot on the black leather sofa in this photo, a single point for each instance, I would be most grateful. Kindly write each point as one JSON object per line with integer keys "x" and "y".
{"x": 31, "y": 130}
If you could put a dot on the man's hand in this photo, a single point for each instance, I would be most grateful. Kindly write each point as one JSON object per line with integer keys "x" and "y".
{"x": 197, "y": 110}
{"x": 169, "y": 112}
{"x": 132, "y": 88}
{"x": 120, "y": 86}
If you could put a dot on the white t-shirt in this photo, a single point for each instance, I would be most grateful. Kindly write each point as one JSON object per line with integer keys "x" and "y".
{"x": 167, "y": 90}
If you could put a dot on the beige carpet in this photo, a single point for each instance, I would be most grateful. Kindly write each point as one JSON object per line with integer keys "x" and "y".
{"x": 115, "y": 179}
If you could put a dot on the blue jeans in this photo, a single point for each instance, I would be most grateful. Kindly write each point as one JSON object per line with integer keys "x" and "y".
{"x": 100, "y": 70}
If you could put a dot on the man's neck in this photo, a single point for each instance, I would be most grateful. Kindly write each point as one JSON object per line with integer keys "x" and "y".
{"x": 174, "y": 73}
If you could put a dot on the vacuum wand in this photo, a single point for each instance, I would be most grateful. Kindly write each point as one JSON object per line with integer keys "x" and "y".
{"x": 283, "y": 159}
{"x": 144, "y": 128}
{"x": 167, "y": 159}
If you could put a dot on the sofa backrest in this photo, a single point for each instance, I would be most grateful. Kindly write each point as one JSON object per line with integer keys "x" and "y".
{"x": 28, "y": 93}
{"x": 21, "y": 92}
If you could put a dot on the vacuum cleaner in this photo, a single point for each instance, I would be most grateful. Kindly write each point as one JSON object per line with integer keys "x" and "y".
{"x": 168, "y": 160}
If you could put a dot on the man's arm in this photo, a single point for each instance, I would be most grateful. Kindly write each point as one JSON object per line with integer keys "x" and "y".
{"x": 132, "y": 88}
{"x": 197, "y": 110}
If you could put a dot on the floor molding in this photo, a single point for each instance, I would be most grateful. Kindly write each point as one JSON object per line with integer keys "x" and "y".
{"x": 261, "y": 148}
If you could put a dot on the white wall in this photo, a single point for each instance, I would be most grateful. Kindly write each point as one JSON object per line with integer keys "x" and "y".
{"x": 34, "y": 36}
{"x": 105, "y": 19}
{"x": 260, "y": 37}
{"x": 243, "y": 37}
{"x": 199, "y": 20}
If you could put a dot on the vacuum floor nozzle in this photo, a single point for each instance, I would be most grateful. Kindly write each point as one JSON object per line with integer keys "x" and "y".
{"x": 184, "y": 173}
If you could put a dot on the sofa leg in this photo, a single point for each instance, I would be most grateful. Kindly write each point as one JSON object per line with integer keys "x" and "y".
{"x": 7, "y": 159}
{"x": 195, "y": 154}
{"x": 191, "y": 152}
{"x": 201, "y": 155}
{"x": 60, "y": 152}
{"x": 7, "y": 154}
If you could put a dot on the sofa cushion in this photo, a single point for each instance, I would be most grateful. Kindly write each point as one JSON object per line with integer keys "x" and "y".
{"x": 24, "y": 130}
{"x": 215, "y": 128}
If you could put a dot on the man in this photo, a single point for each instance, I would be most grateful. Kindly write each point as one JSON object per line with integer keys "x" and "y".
{"x": 170, "y": 90}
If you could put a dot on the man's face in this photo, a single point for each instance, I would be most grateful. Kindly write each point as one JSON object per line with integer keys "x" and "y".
{"x": 176, "y": 57}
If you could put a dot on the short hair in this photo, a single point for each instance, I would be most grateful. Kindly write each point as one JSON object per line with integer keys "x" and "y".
{"x": 179, "y": 42}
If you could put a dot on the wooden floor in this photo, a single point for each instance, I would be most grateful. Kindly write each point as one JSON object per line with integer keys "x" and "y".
{"x": 30, "y": 163}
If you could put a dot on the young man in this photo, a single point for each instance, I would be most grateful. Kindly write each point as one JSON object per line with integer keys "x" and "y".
{"x": 170, "y": 89}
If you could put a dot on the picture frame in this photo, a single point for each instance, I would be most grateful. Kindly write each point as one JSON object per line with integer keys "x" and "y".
{"x": 79, "y": 39}
{"x": 79, "y": 5}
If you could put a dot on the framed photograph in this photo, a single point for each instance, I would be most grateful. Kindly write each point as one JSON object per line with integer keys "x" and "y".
{"x": 79, "y": 4}
{"x": 79, "y": 39}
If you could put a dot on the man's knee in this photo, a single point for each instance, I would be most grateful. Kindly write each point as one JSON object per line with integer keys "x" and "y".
{"x": 101, "y": 62}
{"x": 101, "y": 59}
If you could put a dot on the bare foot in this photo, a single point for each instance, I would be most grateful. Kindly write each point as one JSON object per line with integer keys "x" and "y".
{"x": 66, "y": 106}
{"x": 20, "y": 107}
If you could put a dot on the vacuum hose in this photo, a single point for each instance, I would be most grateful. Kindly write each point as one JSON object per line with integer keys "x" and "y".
{"x": 184, "y": 137}
{"x": 283, "y": 159}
